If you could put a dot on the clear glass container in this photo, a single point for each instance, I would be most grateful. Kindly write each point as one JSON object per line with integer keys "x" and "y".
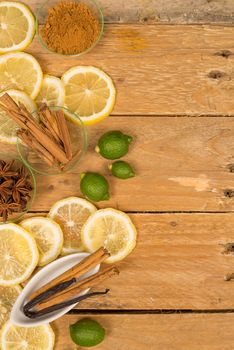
{"x": 79, "y": 141}
{"x": 42, "y": 13}
{"x": 8, "y": 153}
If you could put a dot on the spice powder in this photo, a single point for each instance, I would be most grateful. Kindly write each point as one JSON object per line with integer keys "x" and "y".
{"x": 70, "y": 28}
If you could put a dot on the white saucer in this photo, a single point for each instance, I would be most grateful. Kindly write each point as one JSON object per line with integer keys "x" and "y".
{"x": 45, "y": 275}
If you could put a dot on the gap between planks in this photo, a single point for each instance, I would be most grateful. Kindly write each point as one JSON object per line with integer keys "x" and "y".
{"x": 182, "y": 115}
{"x": 194, "y": 78}
{"x": 164, "y": 11}
{"x": 181, "y": 258}
{"x": 149, "y": 312}
{"x": 182, "y": 165}
{"x": 154, "y": 212}
{"x": 150, "y": 332}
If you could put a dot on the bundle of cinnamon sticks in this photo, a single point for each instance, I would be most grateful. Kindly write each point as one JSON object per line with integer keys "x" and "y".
{"x": 49, "y": 137}
{"x": 65, "y": 289}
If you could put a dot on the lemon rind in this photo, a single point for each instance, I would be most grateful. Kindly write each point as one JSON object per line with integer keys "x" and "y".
{"x": 53, "y": 210}
{"x": 26, "y": 99}
{"x": 90, "y": 120}
{"x": 57, "y": 82}
{"x": 102, "y": 212}
{"x": 48, "y": 330}
{"x": 35, "y": 255}
{"x": 58, "y": 242}
{"x": 36, "y": 65}
{"x": 32, "y": 24}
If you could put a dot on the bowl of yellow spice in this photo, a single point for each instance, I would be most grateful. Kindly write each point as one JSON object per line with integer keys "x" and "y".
{"x": 69, "y": 27}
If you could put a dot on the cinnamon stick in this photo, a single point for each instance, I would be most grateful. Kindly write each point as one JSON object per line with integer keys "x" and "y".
{"x": 20, "y": 115}
{"x": 46, "y": 120}
{"x": 53, "y": 148}
{"x": 23, "y": 110}
{"x": 50, "y": 133}
{"x": 36, "y": 146}
{"x": 8, "y": 101}
{"x": 34, "y": 315}
{"x": 52, "y": 120}
{"x": 63, "y": 132}
{"x": 30, "y": 124}
{"x": 50, "y": 139}
{"x": 49, "y": 116}
{"x": 76, "y": 271}
{"x": 80, "y": 286}
{"x": 87, "y": 283}
{"x": 13, "y": 115}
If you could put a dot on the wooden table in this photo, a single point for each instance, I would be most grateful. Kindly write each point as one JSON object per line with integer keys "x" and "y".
{"x": 175, "y": 87}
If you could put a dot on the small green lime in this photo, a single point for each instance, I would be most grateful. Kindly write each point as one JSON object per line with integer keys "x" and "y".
{"x": 113, "y": 144}
{"x": 122, "y": 169}
{"x": 94, "y": 187}
{"x": 87, "y": 332}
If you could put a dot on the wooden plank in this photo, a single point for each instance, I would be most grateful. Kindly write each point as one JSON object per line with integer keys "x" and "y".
{"x": 179, "y": 263}
{"x": 182, "y": 164}
{"x": 161, "y": 69}
{"x": 151, "y": 332}
{"x": 164, "y": 11}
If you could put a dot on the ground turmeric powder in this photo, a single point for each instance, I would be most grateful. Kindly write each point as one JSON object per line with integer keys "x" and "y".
{"x": 70, "y": 28}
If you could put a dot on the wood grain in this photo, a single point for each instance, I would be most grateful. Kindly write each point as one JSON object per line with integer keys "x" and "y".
{"x": 179, "y": 263}
{"x": 161, "y": 69}
{"x": 182, "y": 164}
{"x": 164, "y": 11}
{"x": 151, "y": 332}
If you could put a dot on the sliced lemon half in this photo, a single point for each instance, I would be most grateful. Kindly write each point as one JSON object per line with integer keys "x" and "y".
{"x": 48, "y": 235}
{"x": 89, "y": 92}
{"x": 52, "y": 92}
{"x": 18, "y": 254}
{"x": 71, "y": 214}
{"x": 20, "y": 71}
{"x": 31, "y": 338}
{"x": 17, "y": 26}
{"x": 8, "y": 127}
{"x": 8, "y": 296}
{"x": 111, "y": 229}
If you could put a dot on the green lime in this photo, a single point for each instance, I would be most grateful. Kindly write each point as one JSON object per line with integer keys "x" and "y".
{"x": 94, "y": 187}
{"x": 113, "y": 144}
{"x": 87, "y": 332}
{"x": 121, "y": 169}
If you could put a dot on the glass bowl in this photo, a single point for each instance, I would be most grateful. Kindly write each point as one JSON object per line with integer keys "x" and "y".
{"x": 8, "y": 153}
{"x": 41, "y": 15}
{"x": 79, "y": 143}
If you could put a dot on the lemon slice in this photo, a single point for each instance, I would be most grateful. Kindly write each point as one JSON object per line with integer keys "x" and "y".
{"x": 111, "y": 229}
{"x": 71, "y": 214}
{"x": 17, "y": 26}
{"x": 8, "y": 296}
{"x": 52, "y": 92}
{"x": 48, "y": 235}
{"x": 20, "y": 71}
{"x": 18, "y": 254}
{"x": 31, "y": 338}
{"x": 8, "y": 127}
{"x": 89, "y": 92}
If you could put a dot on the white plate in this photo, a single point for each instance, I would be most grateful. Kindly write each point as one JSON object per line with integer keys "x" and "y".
{"x": 48, "y": 273}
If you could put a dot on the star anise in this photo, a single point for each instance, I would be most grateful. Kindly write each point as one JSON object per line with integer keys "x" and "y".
{"x": 21, "y": 189}
{"x": 7, "y": 208}
{"x": 22, "y": 172}
{"x": 15, "y": 188}
{"x": 6, "y": 189}
{"x": 5, "y": 169}
{"x": 23, "y": 203}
